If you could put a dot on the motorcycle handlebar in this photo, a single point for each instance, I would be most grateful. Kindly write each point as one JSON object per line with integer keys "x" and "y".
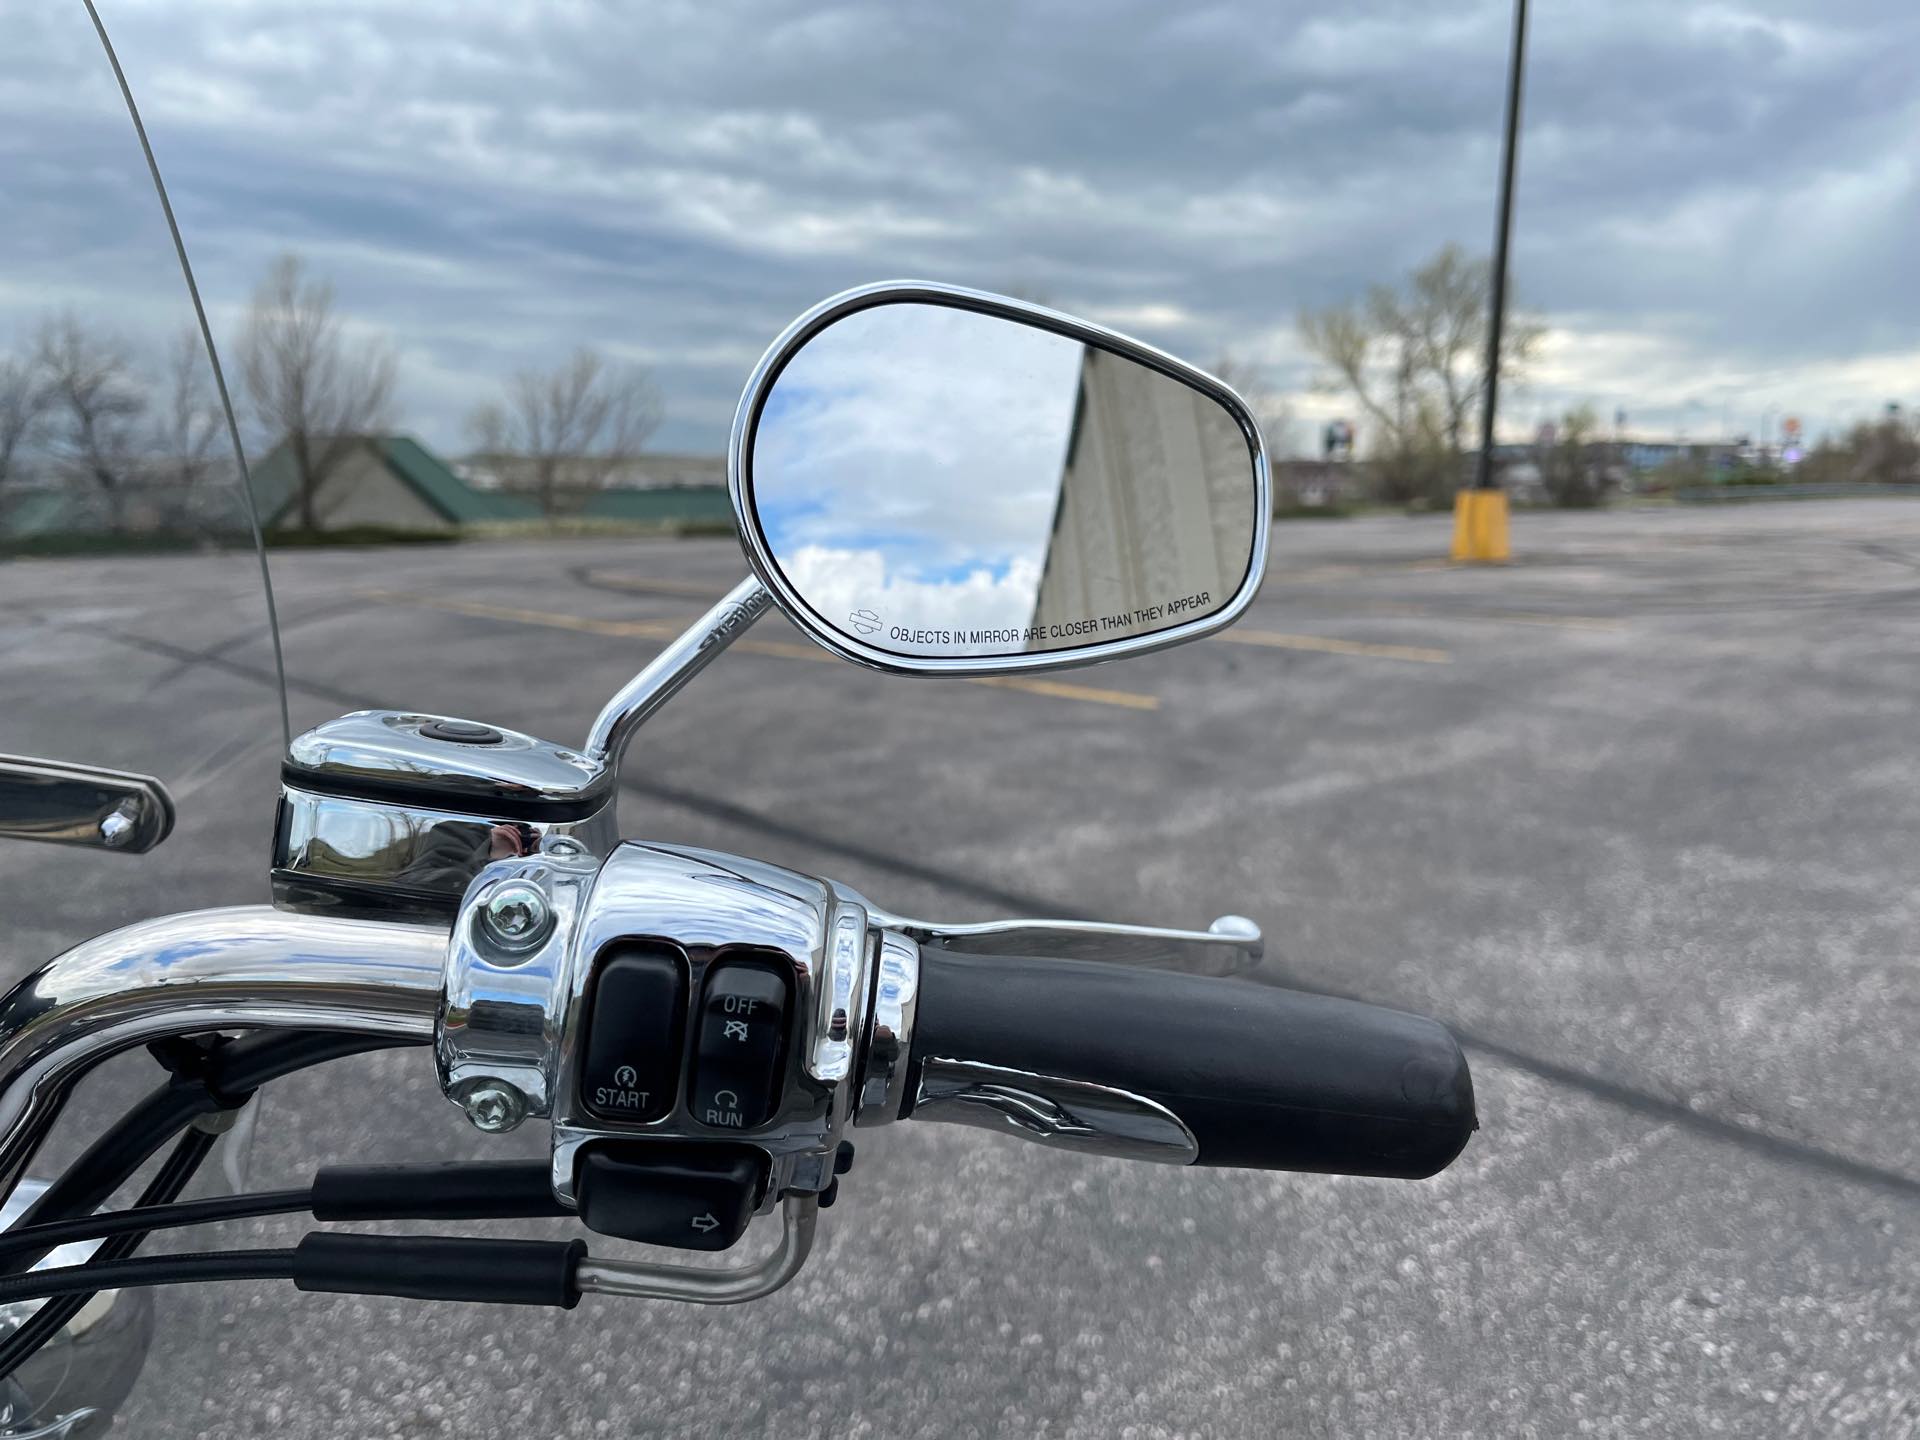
{"x": 1263, "y": 1078}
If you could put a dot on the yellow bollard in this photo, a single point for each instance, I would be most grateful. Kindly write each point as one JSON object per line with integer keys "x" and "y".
{"x": 1480, "y": 527}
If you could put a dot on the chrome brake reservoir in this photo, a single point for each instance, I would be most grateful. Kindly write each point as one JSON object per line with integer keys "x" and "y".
{"x": 385, "y": 812}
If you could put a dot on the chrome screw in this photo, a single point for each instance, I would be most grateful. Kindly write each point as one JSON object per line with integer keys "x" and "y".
{"x": 562, "y": 847}
{"x": 515, "y": 917}
{"x": 494, "y": 1107}
{"x": 117, "y": 826}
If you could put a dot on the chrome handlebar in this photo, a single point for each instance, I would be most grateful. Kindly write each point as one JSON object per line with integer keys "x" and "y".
{"x": 246, "y": 967}
{"x": 506, "y": 1019}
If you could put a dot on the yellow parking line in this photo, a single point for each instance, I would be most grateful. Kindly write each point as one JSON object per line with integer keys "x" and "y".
{"x": 1505, "y": 617}
{"x": 786, "y": 650}
{"x": 1326, "y": 645}
{"x": 1313, "y": 574}
{"x": 646, "y": 585}
{"x": 1063, "y": 690}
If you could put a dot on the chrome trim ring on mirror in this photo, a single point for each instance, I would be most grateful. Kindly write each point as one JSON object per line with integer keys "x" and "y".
{"x": 759, "y": 554}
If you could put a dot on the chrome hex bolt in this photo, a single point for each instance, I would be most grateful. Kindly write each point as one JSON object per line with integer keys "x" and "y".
{"x": 493, "y": 1106}
{"x": 515, "y": 918}
{"x": 117, "y": 826}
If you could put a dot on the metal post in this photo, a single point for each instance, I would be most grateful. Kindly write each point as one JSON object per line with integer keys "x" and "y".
{"x": 1485, "y": 479}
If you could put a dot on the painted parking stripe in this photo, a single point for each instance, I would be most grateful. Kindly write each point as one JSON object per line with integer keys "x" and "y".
{"x": 1327, "y": 645}
{"x": 664, "y": 630}
{"x": 1319, "y": 644}
{"x": 1500, "y": 617}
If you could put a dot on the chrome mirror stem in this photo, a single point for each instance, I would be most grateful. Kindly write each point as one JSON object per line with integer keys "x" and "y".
{"x": 690, "y": 653}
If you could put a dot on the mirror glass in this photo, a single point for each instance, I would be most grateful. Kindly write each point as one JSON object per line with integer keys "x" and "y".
{"x": 936, "y": 482}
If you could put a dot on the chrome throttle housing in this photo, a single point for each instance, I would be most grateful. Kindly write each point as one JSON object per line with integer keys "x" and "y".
{"x": 701, "y": 1031}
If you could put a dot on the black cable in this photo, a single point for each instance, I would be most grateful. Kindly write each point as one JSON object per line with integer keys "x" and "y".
{"x": 231, "y": 1073}
{"x": 235, "y": 1071}
{"x": 120, "y": 1150}
{"x": 416, "y": 1267}
{"x": 472, "y": 1190}
{"x": 148, "y": 1270}
{"x": 227, "y": 1077}
{"x": 148, "y": 1218}
{"x": 46, "y": 1322}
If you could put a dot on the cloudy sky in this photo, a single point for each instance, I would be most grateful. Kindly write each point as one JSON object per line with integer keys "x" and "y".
{"x": 1719, "y": 209}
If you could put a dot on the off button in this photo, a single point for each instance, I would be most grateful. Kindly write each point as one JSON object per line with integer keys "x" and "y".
{"x": 742, "y": 1040}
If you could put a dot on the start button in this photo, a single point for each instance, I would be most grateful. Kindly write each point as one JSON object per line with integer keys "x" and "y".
{"x": 630, "y": 1069}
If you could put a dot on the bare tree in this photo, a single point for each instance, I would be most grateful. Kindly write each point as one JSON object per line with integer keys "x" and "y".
{"x": 95, "y": 404}
{"x": 1572, "y": 464}
{"x": 1270, "y": 407}
{"x": 306, "y": 381}
{"x": 1875, "y": 452}
{"x": 23, "y": 403}
{"x": 573, "y": 426}
{"x": 1414, "y": 360}
{"x": 187, "y": 429}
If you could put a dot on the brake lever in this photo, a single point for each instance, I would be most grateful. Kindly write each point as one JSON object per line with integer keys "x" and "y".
{"x": 1232, "y": 945}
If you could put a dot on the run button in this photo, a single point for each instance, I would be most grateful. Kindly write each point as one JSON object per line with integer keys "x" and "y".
{"x": 742, "y": 1038}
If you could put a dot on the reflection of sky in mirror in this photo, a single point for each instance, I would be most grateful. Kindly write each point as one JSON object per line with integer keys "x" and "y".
{"x": 907, "y": 462}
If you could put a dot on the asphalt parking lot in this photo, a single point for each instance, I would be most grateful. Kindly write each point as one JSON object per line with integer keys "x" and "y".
{"x": 1636, "y": 815}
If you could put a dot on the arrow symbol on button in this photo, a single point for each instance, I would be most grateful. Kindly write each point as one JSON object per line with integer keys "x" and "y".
{"x": 704, "y": 1223}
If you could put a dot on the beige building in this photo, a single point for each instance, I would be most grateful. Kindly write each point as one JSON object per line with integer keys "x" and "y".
{"x": 383, "y": 482}
{"x": 1156, "y": 508}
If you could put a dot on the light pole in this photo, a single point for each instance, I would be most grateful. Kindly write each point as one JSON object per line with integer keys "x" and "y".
{"x": 1516, "y": 64}
{"x": 1480, "y": 513}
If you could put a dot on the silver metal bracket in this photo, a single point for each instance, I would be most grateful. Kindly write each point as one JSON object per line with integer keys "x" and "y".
{"x": 58, "y": 803}
{"x": 650, "y": 1280}
{"x": 1230, "y": 946}
{"x": 505, "y": 1004}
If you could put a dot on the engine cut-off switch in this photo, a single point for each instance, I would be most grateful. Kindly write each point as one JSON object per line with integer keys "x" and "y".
{"x": 636, "y": 1014}
{"x": 742, "y": 1040}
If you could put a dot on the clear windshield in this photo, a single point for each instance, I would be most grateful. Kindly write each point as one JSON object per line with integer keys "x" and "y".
{"x": 134, "y": 620}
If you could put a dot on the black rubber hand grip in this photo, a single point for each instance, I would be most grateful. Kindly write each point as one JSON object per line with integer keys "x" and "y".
{"x": 1264, "y": 1078}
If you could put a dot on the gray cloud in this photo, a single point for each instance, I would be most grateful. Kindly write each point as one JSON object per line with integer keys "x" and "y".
{"x": 1718, "y": 211}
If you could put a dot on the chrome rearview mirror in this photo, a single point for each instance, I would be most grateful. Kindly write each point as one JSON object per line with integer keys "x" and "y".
{"x": 928, "y": 480}
{"x": 941, "y": 481}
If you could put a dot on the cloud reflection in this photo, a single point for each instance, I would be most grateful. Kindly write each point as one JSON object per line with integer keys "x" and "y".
{"x": 907, "y": 463}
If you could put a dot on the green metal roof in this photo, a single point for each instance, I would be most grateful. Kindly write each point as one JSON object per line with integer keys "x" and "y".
{"x": 276, "y": 489}
{"x": 42, "y": 512}
{"x": 435, "y": 483}
{"x": 691, "y": 503}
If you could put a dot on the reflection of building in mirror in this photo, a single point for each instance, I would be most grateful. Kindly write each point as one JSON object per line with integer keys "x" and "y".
{"x": 1155, "y": 522}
